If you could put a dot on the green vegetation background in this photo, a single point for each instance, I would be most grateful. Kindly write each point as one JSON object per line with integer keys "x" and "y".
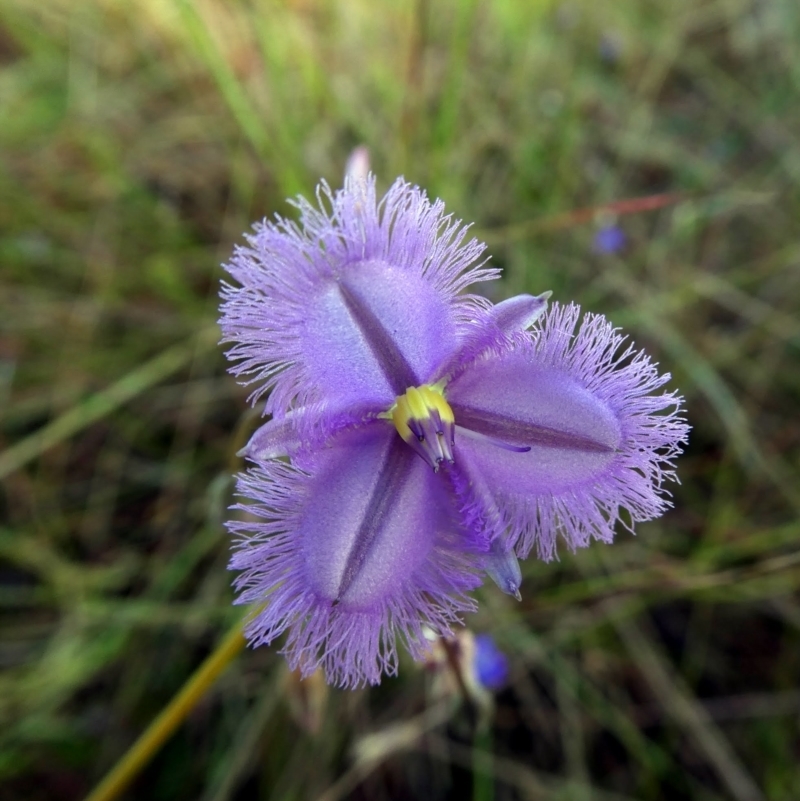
{"x": 138, "y": 140}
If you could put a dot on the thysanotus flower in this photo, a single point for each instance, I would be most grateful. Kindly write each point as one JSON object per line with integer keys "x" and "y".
{"x": 419, "y": 436}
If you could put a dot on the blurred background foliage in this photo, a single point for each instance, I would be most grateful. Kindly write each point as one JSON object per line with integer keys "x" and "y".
{"x": 138, "y": 140}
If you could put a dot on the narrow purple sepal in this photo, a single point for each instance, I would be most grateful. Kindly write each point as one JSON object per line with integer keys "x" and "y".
{"x": 520, "y": 312}
{"x": 303, "y": 430}
{"x": 496, "y": 329}
{"x": 502, "y": 566}
{"x": 272, "y": 440}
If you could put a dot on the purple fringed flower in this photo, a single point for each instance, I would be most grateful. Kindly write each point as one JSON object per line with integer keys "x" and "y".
{"x": 419, "y": 436}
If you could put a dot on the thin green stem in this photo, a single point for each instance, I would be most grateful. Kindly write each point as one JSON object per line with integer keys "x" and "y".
{"x": 143, "y": 750}
{"x": 482, "y": 764}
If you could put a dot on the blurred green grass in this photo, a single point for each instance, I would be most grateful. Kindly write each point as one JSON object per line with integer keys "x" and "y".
{"x": 137, "y": 142}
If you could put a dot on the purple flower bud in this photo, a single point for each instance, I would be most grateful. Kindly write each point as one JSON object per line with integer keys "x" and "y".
{"x": 420, "y": 437}
{"x": 357, "y": 167}
{"x": 491, "y": 664}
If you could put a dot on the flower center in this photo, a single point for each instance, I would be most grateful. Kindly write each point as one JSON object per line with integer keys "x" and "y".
{"x": 424, "y": 419}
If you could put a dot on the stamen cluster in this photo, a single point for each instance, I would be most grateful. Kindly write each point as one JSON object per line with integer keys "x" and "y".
{"x": 424, "y": 419}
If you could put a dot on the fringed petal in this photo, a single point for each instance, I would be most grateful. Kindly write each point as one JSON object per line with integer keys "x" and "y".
{"x": 601, "y": 440}
{"x": 358, "y": 299}
{"x": 347, "y": 557}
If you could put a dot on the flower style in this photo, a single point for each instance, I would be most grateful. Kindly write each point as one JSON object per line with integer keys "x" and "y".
{"x": 419, "y": 436}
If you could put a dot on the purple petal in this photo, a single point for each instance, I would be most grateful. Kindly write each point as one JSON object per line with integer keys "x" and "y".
{"x": 375, "y": 332}
{"x": 600, "y": 440}
{"x": 571, "y": 434}
{"x": 357, "y": 301}
{"x": 362, "y": 549}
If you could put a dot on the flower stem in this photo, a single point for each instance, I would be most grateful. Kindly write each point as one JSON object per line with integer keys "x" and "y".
{"x": 482, "y": 769}
{"x": 140, "y": 753}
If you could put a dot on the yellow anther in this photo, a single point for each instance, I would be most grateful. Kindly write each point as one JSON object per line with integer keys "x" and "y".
{"x": 416, "y": 403}
{"x": 424, "y": 419}
{"x": 434, "y": 399}
{"x": 401, "y": 413}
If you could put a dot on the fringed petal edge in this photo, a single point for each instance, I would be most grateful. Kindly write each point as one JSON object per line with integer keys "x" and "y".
{"x": 653, "y": 431}
{"x": 353, "y": 648}
{"x": 283, "y": 261}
